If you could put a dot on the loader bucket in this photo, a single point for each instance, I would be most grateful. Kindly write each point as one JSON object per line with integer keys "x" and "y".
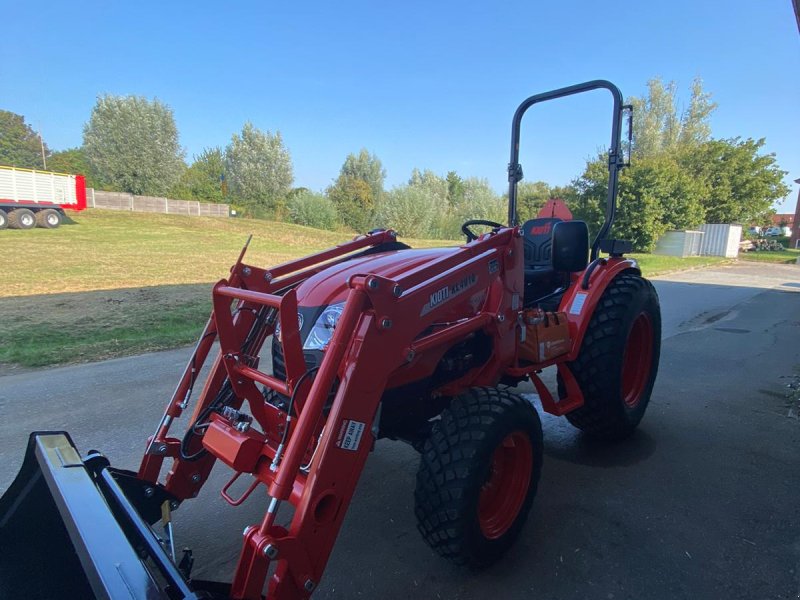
{"x": 68, "y": 530}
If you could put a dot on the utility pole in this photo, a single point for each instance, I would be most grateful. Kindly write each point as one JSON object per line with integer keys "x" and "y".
{"x": 44, "y": 159}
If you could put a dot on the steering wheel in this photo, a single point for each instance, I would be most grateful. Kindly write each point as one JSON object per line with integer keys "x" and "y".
{"x": 465, "y": 228}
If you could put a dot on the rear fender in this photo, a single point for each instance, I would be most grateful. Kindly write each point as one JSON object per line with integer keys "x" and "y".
{"x": 582, "y": 297}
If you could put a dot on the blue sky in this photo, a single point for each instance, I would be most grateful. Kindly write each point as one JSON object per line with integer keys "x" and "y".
{"x": 421, "y": 84}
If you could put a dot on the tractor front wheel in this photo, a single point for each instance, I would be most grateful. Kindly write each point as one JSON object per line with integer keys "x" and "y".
{"x": 618, "y": 360}
{"x": 478, "y": 476}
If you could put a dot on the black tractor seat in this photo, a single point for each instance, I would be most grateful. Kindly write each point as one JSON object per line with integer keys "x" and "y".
{"x": 540, "y": 277}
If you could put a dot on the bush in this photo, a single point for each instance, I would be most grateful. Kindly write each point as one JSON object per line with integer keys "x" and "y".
{"x": 409, "y": 210}
{"x": 478, "y": 201}
{"x": 422, "y": 209}
{"x": 312, "y": 210}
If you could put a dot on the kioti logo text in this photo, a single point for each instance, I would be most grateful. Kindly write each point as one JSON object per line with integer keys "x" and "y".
{"x": 540, "y": 229}
{"x": 448, "y": 292}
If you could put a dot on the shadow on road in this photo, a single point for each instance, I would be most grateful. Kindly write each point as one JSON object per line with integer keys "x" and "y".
{"x": 563, "y": 442}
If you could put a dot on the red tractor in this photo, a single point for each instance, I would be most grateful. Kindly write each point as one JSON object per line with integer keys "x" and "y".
{"x": 370, "y": 339}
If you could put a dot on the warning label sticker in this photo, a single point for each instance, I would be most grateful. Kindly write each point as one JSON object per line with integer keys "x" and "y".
{"x": 577, "y": 303}
{"x": 350, "y": 435}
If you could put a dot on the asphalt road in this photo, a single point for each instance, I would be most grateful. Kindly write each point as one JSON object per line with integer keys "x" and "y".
{"x": 702, "y": 502}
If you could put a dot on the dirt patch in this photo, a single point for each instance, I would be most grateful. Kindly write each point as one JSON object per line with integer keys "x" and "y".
{"x": 68, "y": 309}
{"x": 89, "y": 326}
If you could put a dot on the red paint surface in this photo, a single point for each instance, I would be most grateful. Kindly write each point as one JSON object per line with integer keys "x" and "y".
{"x": 555, "y": 207}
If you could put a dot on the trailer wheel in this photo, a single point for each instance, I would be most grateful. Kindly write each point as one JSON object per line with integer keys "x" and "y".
{"x": 3, "y": 219}
{"x": 21, "y": 218}
{"x": 618, "y": 360}
{"x": 48, "y": 218}
{"x": 478, "y": 476}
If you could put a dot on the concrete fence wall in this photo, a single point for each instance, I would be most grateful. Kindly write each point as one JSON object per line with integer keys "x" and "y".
{"x": 124, "y": 201}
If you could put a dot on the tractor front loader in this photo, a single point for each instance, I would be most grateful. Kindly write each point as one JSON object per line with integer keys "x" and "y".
{"x": 370, "y": 339}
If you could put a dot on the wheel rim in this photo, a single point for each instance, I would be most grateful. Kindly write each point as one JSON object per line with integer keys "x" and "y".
{"x": 52, "y": 219}
{"x": 637, "y": 361}
{"x": 26, "y": 220}
{"x": 504, "y": 492}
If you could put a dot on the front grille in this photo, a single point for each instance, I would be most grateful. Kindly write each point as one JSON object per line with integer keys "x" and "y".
{"x": 278, "y": 364}
{"x": 313, "y": 359}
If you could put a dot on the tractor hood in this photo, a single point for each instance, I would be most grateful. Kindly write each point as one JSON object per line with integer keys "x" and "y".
{"x": 330, "y": 286}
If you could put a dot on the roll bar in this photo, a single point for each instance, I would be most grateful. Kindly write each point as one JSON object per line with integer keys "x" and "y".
{"x": 616, "y": 161}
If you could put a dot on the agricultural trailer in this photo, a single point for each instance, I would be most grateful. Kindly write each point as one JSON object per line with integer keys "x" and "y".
{"x": 31, "y": 198}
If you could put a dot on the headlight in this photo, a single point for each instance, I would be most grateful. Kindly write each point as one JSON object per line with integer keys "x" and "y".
{"x": 278, "y": 326}
{"x": 322, "y": 331}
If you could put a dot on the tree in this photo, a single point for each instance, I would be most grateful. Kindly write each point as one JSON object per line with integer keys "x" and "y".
{"x": 437, "y": 187}
{"x": 567, "y": 193}
{"x": 72, "y": 160}
{"x": 657, "y": 124}
{"x": 353, "y": 200}
{"x": 718, "y": 181}
{"x": 656, "y": 194}
{"x": 132, "y": 144}
{"x": 591, "y": 189}
{"x": 679, "y": 194}
{"x": 531, "y": 197}
{"x": 20, "y": 145}
{"x": 480, "y": 202}
{"x": 204, "y": 180}
{"x": 259, "y": 168}
{"x": 366, "y": 167}
{"x": 695, "y": 126}
{"x": 680, "y": 176}
{"x": 740, "y": 183}
{"x": 455, "y": 188}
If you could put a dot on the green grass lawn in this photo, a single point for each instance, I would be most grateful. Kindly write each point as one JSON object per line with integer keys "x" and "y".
{"x": 653, "y": 264}
{"x": 788, "y": 256}
{"x": 120, "y": 283}
{"x": 116, "y": 249}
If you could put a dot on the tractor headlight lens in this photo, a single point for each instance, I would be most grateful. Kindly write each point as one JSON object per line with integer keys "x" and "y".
{"x": 278, "y": 326}
{"x": 322, "y": 331}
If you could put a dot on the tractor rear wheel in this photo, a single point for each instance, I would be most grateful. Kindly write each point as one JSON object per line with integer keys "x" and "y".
{"x": 478, "y": 476}
{"x": 618, "y": 360}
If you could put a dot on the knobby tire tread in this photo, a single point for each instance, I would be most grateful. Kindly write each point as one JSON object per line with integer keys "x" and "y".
{"x": 598, "y": 366}
{"x": 445, "y": 500}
